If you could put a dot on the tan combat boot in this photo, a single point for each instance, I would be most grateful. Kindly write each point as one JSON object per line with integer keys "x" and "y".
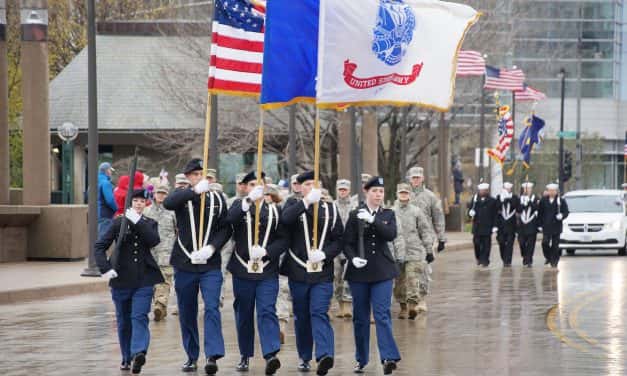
{"x": 422, "y": 306}
{"x": 159, "y": 312}
{"x": 340, "y": 310}
{"x": 403, "y": 313}
{"x": 347, "y": 310}
{"x": 282, "y": 324}
{"x": 413, "y": 311}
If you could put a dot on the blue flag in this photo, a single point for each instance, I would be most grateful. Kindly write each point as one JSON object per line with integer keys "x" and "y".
{"x": 290, "y": 59}
{"x": 529, "y": 137}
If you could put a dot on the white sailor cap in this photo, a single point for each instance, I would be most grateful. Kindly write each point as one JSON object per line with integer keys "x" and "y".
{"x": 483, "y": 186}
{"x": 552, "y": 186}
{"x": 527, "y": 184}
{"x": 508, "y": 185}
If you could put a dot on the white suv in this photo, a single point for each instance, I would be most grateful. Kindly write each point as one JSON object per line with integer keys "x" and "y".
{"x": 597, "y": 220}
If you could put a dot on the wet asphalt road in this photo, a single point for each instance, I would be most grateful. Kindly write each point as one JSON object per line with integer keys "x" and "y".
{"x": 498, "y": 321}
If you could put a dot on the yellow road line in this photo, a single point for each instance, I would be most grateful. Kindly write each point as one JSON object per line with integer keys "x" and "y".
{"x": 573, "y": 319}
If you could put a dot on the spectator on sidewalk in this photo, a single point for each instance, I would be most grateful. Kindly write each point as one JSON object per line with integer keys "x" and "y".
{"x": 106, "y": 203}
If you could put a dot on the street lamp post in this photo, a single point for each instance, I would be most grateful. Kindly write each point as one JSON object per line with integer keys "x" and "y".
{"x": 562, "y": 76}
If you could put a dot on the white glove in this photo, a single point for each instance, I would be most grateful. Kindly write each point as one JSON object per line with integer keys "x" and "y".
{"x": 365, "y": 216}
{"x": 132, "y": 215}
{"x": 197, "y": 259}
{"x": 358, "y": 262}
{"x": 317, "y": 256}
{"x": 524, "y": 200}
{"x": 495, "y": 230}
{"x": 257, "y": 252}
{"x": 559, "y": 216}
{"x": 312, "y": 197}
{"x": 110, "y": 274}
{"x": 245, "y": 206}
{"x": 472, "y": 213}
{"x": 202, "y": 186}
{"x": 256, "y": 194}
{"x": 539, "y": 229}
{"x": 206, "y": 252}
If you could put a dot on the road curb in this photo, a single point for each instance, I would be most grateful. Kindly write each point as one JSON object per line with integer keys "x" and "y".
{"x": 52, "y": 292}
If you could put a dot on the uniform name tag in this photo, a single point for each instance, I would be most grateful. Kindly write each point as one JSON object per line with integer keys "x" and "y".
{"x": 314, "y": 267}
{"x": 254, "y": 266}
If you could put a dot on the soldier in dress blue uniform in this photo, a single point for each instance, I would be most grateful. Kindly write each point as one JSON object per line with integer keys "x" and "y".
{"x": 371, "y": 275}
{"x": 483, "y": 210}
{"x": 197, "y": 266}
{"x": 506, "y": 222}
{"x": 552, "y": 210}
{"x": 255, "y": 271}
{"x": 132, "y": 277}
{"x": 310, "y": 272}
{"x": 527, "y": 223}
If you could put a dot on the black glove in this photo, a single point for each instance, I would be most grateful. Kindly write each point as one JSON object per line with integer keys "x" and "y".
{"x": 430, "y": 258}
{"x": 441, "y": 246}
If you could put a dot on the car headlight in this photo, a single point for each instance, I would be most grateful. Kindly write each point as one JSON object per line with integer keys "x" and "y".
{"x": 613, "y": 226}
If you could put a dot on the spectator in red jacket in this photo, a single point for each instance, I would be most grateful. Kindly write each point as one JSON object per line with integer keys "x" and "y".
{"x": 122, "y": 188}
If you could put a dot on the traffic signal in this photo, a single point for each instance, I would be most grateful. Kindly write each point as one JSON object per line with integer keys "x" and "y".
{"x": 568, "y": 165}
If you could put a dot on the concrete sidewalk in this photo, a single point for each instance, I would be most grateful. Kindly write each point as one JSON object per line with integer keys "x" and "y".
{"x": 37, "y": 280}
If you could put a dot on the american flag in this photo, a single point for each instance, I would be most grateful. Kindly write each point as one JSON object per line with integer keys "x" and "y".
{"x": 529, "y": 94}
{"x": 470, "y": 63}
{"x": 506, "y": 133}
{"x": 504, "y": 79}
{"x": 237, "y": 47}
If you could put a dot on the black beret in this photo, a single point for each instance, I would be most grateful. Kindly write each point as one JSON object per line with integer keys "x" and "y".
{"x": 375, "y": 181}
{"x": 193, "y": 165}
{"x": 307, "y": 175}
{"x": 140, "y": 193}
{"x": 252, "y": 176}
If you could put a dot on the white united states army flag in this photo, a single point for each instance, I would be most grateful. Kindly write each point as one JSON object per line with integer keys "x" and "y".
{"x": 390, "y": 51}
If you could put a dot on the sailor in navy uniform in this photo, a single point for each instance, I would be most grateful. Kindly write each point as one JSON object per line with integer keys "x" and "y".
{"x": 371, "y": 275}
{"x": 483, "y": 211}
{"x": 527, "y": 223}
{"x": 552, "y": 210}
{"x": 132, "y": 277}
{"x": 310, "y": 272}
{"x": 506, "y": 222}
{"x": 197, "y": 266}
{"x": 255, "y": 271}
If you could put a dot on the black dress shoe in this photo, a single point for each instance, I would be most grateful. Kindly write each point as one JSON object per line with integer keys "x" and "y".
{"x": 388, "y": 367}
{"x": 125, "y": 366}
{"x": 324, "y": 365}
{"x": 211, "y": 368}
{"x": 189, "y": 366}
{"x": 304, "y": 366}
{"x": 138, "y": 362}
{"x": 359, "y": 368}
{"x": 243, "y": 365}
{"x": 272, "y": 365}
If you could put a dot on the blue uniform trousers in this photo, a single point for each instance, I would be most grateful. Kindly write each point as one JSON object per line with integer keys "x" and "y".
{"x": 261, "y": 294}
{"x": 311, "y": 322}
{"x": 377, "y": 295}
{"x": 131, "y": 313}
{"x": 187, "y": 285}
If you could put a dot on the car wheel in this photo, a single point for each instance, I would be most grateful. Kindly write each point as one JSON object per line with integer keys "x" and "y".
{"x": 622, "y": 251}
{"x": 570, "y": 252}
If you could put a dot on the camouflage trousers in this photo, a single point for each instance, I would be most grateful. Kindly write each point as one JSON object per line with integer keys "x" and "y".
{"x": 283, "y": 300}
{"x": 341, "y": 290}
{"x": 412, "y": 285}
{"x": 162, "y": 290}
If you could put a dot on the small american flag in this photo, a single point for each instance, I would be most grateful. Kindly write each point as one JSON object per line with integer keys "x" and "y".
{"x": 504, "y": 79}
{"x": 237, "y": 47}
{"x": 470, "y": 63}
{"x": 506, "y": 133}
{"x": 529, "y": 94}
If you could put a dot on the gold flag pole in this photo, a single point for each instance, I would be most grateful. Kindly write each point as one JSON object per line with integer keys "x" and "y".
{"x": 205, "y": 160}
{"x": 316, "y": 176}
{"x": 259, "y": 203}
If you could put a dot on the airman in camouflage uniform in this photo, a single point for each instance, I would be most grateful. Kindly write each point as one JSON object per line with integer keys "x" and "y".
{"x": 344, "y": 206}
{"x": 413, "y": 283}
{"x": 429, "y": 203}
{"x": 161, "y": 253}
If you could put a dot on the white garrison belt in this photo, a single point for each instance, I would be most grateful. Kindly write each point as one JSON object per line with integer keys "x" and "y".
{"x": 192, "y": 223}
{"x": 310, "y": 266}
{"x": 254, "y": 266}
